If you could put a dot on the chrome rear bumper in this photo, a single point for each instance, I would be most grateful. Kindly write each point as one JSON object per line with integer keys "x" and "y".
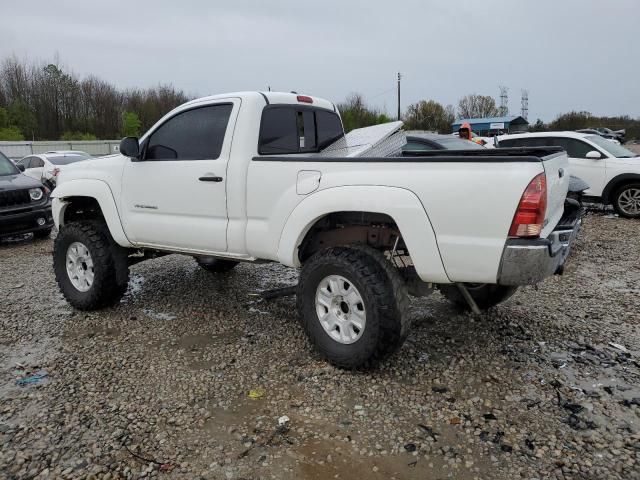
{"x": 527, "y": 262}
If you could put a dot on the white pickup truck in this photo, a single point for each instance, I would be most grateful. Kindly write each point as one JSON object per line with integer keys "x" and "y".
{"x": 242, "y": 177}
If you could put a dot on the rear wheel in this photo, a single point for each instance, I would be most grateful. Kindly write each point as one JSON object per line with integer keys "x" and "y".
{"x": 91, "y": 269}
{"x": 353, "y": 306}
{"x": 626, "y": 201}
{"x": 215, "y": 264}
{"x": 486, "y": 295}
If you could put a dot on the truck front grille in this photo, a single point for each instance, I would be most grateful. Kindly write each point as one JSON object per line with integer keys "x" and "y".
{"x": 14, "y": 198}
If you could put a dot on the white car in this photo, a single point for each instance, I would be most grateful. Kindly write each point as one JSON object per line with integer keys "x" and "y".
{"x": 47, "y": 166}
{"x": 611, "y": 171}
{"x": 254, "y": 177}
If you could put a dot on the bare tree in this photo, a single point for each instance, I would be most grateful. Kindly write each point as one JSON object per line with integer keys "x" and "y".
{"x": 45, "y": 101}
{"x": 477, "y": 106}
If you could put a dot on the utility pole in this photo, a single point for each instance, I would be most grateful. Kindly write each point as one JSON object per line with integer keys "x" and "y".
{"x": 399, "y": 78}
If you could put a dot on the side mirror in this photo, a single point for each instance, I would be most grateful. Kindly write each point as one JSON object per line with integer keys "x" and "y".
{"x": 594, "y": 155}
{"x": 20, "y": 167}
{"x": 130, "y": 147}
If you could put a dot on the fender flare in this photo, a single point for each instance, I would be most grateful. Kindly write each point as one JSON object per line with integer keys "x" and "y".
{"x": 91, "y": 188}
{"x": 401, "y": 204}
{"x": 615, "y": 181}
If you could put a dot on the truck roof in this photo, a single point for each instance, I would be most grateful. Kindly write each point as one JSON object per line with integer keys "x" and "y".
{"x": 276, "y": 98}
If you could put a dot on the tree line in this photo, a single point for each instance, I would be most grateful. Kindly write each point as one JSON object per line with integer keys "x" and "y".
{"x": 43, "y": 101}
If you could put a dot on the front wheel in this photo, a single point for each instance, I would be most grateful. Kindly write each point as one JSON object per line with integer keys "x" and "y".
{"x": 353, "y": 306}
{"x": 626, "y": 201}
{"x": 486, "y": 295}
{"x": 91, "y": 269}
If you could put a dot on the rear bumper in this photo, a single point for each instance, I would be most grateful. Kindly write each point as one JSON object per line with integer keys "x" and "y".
{"x": 28, "y": 220}
{"x": 527, "y": 262}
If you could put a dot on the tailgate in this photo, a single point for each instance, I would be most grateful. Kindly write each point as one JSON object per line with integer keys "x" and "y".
{"x": 556, "y": 168}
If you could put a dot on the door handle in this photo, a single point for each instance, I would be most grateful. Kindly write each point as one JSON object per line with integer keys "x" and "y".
{"x": 561, "y": 172}
{"x": 210, "y": 179}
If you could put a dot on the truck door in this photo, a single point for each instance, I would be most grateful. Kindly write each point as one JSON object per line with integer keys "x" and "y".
{"x": 174, "y": 196}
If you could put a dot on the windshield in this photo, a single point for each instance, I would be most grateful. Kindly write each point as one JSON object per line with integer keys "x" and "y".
{"x": 614, "y": 149}
{"x": 6, "y": 166}
{"x": 455, "y": 143}
{"x": 67, "y": 159}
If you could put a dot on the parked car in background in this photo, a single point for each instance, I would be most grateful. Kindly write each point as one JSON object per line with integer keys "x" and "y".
{"x": 424, "y": 142}
{"x": 611, "y": 171}
{"x": 593, "y": 131}
{"x": 25, "y": 206}
{"x": 619, "y": 135}
{"x": 47, "y": 166}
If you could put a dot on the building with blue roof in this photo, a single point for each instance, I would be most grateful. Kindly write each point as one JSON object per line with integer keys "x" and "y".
{"x": 490, "y": 126}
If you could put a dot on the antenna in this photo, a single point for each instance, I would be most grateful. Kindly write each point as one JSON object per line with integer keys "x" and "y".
{"x": 504, "y": 101}
{"x": 399, "y": 78}
{"x": 524, "y": 111}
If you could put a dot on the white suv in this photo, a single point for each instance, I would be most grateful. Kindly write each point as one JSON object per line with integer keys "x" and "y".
{"x": 45, "y": 167}
{"x": 611, "y": 171}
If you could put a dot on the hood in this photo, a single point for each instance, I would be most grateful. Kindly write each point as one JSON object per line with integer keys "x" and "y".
{"x": 17, "y": 182}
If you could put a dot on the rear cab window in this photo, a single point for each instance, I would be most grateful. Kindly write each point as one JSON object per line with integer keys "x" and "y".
{"x": 290, "y": 129}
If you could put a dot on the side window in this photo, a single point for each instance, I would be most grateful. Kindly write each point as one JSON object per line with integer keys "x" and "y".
{"x": 515, "y": 142}
{"x": 417, "y": 147}
{"x": 575, "y": 148}
{"x": 307, "y": 131}
{"x": 36, "y": 162}
{"x": 279, "y": 131}
{"x": 24, "y": 161}
{"x": 195, "y": 134}
{"x": 329, "y": 128}
{"x": 526, "y": 142}
{"x": 290, "y": 129}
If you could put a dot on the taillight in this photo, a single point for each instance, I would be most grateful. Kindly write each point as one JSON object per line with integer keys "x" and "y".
{"x": 529, "y": 218}
{"x": 305, "y": 99}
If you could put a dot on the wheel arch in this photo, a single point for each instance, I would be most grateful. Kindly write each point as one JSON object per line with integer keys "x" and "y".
{"x": 86, "y": 193}
{"x": 615, "y": 183}
{"x": 398, "y": 205}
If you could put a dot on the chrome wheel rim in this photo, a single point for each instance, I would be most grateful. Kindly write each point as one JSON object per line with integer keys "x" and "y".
{"x": 340, "y": 309}
{"x": 629, "y": 201}
{"x": 80, "y": 266}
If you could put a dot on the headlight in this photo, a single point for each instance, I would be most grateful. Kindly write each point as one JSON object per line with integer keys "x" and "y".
{"x": 35, "y": 194}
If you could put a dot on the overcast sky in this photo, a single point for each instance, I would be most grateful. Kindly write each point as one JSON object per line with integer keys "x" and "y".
{"x": 569, "y": 54}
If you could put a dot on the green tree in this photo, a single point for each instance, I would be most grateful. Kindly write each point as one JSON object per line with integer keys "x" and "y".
{"x": 69, "y": 136}
{"x": 131, "y": 124}
{"x": 539, "y": 126}
{"x": 11, "y": 134}
{"x": 356, "y": 114}
{"x": 4, "y": 118}
{"x": 573, "y": 121}
{"x": 23, "y": 117}
{"x": 429, "y": 115}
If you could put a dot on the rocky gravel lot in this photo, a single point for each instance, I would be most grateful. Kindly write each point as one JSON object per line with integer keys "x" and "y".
{"x": 188, "y": 376}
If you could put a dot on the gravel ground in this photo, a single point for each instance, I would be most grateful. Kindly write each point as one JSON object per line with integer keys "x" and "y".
{"x": 546, "y": 385}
